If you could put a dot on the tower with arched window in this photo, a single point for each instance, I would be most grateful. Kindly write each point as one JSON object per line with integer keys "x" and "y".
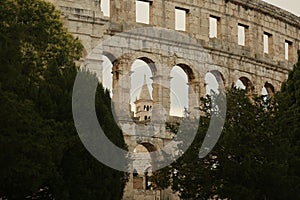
{"x": 144, "y": 104}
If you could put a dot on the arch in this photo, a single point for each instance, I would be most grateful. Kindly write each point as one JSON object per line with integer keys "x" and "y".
{"x": 150, "y": 63}
{"x": 110, "y": 56}
{"x": 246, "y": 83}
{"x": 107, "y": 74}
{"x": 141, "y": 68}
{"x": 188, "y": 71}
{"x": 219, "y": 76}
{"x": 142, "y": 165}
{"x": 115, "y": 68}
{"x": 214, "y": 81}
{"x": 142, "y": 156}
{"x": 269, "y": 88}
{"x": 179, "y": 90}
{"x": 267, "y": 92}
{"x": 150, "y": 147}
{"x": 148, "y": 58}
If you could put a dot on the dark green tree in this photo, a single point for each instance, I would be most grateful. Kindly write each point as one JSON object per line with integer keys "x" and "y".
{"x": 248, "y": 162}
{"x": 288, "y": 123}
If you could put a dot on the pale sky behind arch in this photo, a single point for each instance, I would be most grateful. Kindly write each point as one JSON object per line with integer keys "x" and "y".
{"x": 292, "y": 6}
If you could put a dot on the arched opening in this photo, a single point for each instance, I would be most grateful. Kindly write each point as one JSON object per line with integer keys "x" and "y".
{"x": 267, "y": 92}
{"x": 214, "y": 81}
{"x": 141, "y": 87}
{"x": 179, "y": 91}
{"x": 142, "y": 166}
{"x": 107, "y": 75}
{"x": 244, "y": 83}
{"x": 269, "y": 88}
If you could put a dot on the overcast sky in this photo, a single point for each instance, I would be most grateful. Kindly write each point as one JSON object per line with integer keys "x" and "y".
{"x": 289, "y": 5}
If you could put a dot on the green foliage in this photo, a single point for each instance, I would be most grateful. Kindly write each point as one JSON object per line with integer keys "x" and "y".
{"x": 250, "y": 160}
{"x": 172, "y": 127}
{"x": 41, "y": 156}
{"x": 288, "y": 123}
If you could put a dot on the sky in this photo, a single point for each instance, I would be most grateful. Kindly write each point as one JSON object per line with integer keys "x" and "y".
{"x": 179, "y": 80}
{"x": 292, "y": 6}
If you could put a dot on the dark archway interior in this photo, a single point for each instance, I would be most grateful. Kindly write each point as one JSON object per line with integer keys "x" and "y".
{"x": 247, "y": 83}
{"x": 270, "y": 88}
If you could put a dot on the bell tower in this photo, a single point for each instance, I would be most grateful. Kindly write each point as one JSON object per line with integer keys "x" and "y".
{"x": 144, "y": 104}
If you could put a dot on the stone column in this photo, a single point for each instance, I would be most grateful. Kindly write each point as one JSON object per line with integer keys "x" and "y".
{"x": 94, "y": 65}
{"x": 169, "y": 15}
{"x": 204, "y": 26}
{"x": 157, "y": 13}
{"x": 194, "y": 94}
{"x": 161, "y": 97}
{"x": 123, "y": 11}
{"x": 121, "y": 89}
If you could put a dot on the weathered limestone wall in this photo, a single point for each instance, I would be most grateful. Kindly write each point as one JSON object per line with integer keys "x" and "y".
{"x": 84, "y": 19}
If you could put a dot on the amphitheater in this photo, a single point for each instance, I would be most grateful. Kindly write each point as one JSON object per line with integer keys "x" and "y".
{"x": 252, "y": 41}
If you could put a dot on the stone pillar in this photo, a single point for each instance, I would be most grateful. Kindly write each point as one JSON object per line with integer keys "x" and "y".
{"x": 157, "y": 13}
{"x": 123, "y": 11}
{"x": 253, "y": 40}
{"x": 121, "y": 89}
{"x": 161, "y": 97}
{"x": 258, "y": 42}
{"x": 194, "y": 95}
{"x": 116, "y": 74}
{"x": 204, "y": 25}
{"x": 169, "y": 20}
{"x": 231, "y": 30}
{"x": 94, "y": 65}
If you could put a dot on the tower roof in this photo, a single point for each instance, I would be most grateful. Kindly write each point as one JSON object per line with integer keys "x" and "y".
{"x": 145, "y": 94}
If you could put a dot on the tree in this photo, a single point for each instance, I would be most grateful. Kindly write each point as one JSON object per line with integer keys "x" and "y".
{"x": 41, "y": 156}
{"x": 288, "y": 120}
{"x": 248, "y": 162}
{"x": 86, "y": 177}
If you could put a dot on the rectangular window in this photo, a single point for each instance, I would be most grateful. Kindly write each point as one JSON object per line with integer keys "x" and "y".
{"x": 267, "y": 43}
{"x": 214, "y": 27}
{"x": 180, "y": 19}
{"x": 242, "y": 33}
{"x": 288, "y": 50}
{"x": 143, "y": 11}
{"x": 105, "y": 7}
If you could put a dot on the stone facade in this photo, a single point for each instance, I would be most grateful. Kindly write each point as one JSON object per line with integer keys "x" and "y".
{"x": 85, "y": 20}
{"x": 231, "y": 61}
